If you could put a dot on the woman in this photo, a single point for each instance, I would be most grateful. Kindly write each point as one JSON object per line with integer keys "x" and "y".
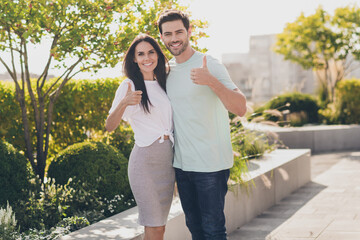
{"x": 142, "y": 101}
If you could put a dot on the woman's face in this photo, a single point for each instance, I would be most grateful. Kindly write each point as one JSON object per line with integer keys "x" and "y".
{"x": 147, "y": 59}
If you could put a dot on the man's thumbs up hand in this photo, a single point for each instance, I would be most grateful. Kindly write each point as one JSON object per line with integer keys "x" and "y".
{"x": 201, "y": 75}
{"x": 204, "y": 62}
{"x": 132, "y": 97}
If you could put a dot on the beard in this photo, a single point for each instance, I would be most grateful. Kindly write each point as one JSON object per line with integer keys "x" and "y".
{"x": 179, "y": 51}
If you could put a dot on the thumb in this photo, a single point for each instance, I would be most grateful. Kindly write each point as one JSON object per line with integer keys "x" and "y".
{"x": 204, "y": 65}
{"x": 129, "y": 87}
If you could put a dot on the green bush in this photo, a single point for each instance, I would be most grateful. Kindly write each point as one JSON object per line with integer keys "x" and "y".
{"x": 46, "y": 205}
{"x": 79, "y": 115}
{"x": 348, "y": 98}
{"x": 346, "y": 107}
{"x": 98, "y": 164}
{"x": 49, "y": 203}
{"x": 247, "y": 144}
{"x": 301, "y": 108}
{"x": 122, "y": 138}
{"x": 10, "y": 116}
{"x": 81, "y": 110}
{"x": 330, "y": 114}
{"x": 14, "y": 174}
{"x": 74, "y": 223}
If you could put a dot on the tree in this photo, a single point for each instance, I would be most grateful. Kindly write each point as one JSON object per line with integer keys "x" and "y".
{"x": 85, "y": 36}
{"x": 326, "y": 43}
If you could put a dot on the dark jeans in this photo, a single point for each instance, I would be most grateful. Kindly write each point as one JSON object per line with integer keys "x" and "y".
{"x": 202, "y": 198}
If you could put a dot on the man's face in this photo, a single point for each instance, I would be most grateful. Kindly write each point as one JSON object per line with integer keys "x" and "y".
{"x": 175, "y": 37}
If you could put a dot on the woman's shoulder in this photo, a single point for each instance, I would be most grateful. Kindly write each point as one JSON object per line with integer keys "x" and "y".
{"x": 126, "y": 81}
{"x": 124, "y": 85}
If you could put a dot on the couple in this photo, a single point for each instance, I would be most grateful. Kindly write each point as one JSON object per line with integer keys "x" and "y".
{"x": 196, "y": 94}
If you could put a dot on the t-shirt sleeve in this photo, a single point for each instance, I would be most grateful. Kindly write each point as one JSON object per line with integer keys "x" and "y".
{"x": 119, "y": 95}
{"x": 218, "y": 70}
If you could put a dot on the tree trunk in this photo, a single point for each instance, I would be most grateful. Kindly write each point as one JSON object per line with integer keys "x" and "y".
{"x": 20, "y": 96}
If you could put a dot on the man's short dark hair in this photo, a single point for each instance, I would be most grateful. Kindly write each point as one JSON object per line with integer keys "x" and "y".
{"x": 173, "y": 15}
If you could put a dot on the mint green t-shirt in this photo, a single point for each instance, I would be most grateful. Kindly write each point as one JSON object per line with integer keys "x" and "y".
{"x": 201, "y": 122}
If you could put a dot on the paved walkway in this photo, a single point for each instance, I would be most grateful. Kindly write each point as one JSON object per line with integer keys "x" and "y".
{"x": 327, "y": 208}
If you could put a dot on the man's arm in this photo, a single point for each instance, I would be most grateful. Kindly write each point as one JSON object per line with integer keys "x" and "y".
{"x": 233, "y": 100}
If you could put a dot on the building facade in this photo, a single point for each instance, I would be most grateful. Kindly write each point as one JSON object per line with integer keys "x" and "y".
{"x": 262, "y": 74}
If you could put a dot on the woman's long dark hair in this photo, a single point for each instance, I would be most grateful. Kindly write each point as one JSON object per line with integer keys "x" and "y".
{"x": 132, "y": 70}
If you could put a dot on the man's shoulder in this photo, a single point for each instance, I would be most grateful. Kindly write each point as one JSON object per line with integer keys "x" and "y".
{"x": 212, "y": 60}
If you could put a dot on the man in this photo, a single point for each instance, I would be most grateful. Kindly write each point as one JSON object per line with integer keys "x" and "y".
{"x": 201, "y": 94}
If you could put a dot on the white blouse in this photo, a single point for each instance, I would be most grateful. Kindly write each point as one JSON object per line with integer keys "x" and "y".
{"x": 147, "y": 127}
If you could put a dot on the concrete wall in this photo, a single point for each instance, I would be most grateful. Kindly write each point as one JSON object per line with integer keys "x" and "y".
{"x": 322, "y": 138}
{"x": 274, "y": 176}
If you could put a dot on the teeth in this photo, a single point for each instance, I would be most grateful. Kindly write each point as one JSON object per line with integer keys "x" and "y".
{"x": 176, "y": 45}
{"x": 147, "y": 64}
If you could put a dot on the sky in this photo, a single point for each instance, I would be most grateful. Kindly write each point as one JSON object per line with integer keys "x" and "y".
{"x": 231, "y": 23}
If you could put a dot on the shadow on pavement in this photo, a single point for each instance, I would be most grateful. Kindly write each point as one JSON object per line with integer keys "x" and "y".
{"x": 272, "y": 218}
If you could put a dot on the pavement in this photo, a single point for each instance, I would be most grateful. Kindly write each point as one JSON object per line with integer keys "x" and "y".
{"x": 327, "y": 208}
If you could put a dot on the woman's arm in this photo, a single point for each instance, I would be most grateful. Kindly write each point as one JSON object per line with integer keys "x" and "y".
{"x": 114, "y": 118}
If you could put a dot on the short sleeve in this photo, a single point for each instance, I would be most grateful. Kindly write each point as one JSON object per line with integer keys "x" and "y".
{"x": 119, "y": 95}
{"x": 220, "y": 72}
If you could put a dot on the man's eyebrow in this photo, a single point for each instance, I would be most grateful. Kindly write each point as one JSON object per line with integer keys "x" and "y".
{"x": 178, "y": 30}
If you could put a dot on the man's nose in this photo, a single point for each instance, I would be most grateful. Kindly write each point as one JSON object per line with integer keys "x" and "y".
{"x": 173, "y": 38}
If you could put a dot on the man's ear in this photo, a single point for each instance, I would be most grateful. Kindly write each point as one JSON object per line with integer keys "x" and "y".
{"x": 190, "y": 30}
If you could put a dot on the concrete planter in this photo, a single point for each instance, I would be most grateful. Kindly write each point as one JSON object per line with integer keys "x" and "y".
{"x": 322, "y": 138}
{"x": 270, "y": 179}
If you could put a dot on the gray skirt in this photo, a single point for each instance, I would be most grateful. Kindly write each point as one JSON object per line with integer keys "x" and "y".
{"x": 152, "y": 180}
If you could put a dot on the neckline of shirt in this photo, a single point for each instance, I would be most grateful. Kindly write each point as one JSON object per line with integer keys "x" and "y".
{"x": 189, "y": 61}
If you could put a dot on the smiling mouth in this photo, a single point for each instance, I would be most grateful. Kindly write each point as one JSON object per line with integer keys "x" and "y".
{"x": 176, "y": 45}
{"x": 147, "y": 64}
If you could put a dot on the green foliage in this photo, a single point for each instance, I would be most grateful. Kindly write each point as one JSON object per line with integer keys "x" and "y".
{"x": 74, "y": 223}
{"x": 46, "y": 205}
{"x": 323, "y": 42}
{"x": 122, "y": 138}
{"x": 49, "y": 234}
{"x": 7, "y": 223}
{"x": 247, "y": 144}
{"x": 78, "y": 116}
{"x": 80, "y": 29}
{"x": 14, "y": 174}
{"x": 309, "y": 40}
{"x": 49, "y": 203}
{"x": 346, "y": 108}
{"x": 329, "y": 114}
{"x": 95, "y": 163}
{"x": 11, "y": 128}
{"x": 299, "y": 109}
{"x": 348, "y": 98}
